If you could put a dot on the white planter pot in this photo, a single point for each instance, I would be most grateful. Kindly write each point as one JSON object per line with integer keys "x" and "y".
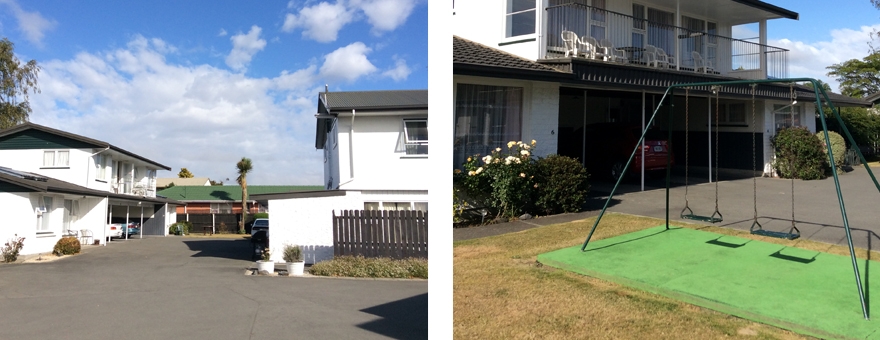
{"x": 268, "y": 266}
{"x": 295, "y": 268}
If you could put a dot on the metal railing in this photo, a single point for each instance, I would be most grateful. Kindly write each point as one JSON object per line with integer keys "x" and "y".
{"x": 727, "y": 56}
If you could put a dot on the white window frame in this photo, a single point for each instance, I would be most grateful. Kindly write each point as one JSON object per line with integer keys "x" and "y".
{"x": 382, "y": 205}
{"x": 57, "y": 160}
{"x": 102, "y": 162}
{"x": 221, "y": 208}
{"x": 508, "y": 17}
{"x": 45, "y": 221}
{"x": 415, "y": 144}
{"x": 783, "y": 110}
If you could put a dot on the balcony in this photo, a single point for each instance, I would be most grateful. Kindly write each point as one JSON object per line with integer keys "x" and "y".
{"x": 630, "y": 36}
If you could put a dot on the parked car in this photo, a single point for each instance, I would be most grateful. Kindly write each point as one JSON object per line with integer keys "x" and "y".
{"x": 609, "y": 146}
{"x": 133, "y": 228}
{"x": 260, "y": 224}
{"x": 115, "y": 230}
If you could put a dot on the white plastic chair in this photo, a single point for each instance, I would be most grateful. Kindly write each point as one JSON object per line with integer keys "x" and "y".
{"x": 700, "y": 64}
{"x": 615, "y": 54}
{"x": 666, "y": 59}
{"x": 650, "y": 54}
{"x": 571, "y": 43}
{"x": 587, "y": 46}
{"x": 86, "y": 234}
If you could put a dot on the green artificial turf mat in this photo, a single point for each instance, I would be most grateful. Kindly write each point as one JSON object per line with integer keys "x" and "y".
{"x": 805, "y": 291}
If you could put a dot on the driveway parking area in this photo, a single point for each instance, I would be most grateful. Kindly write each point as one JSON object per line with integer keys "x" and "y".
{"x": 195, "y": 288}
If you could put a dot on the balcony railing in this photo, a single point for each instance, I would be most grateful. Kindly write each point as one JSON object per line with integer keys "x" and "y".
{"x": 726, "y": 56}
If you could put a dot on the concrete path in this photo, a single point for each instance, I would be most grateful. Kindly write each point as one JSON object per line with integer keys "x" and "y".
{"x": 816, "y": 208}
{"x": 195, "y": 288}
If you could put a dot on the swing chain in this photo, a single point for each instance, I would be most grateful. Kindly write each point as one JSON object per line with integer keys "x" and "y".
{"x": 790, "y": 164}
{"x": 717, "y": 90}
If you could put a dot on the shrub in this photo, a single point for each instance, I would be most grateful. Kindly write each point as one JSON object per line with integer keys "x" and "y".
{"x": 261, "y": 215}
{"x": 11, "y": 249}
{"x": 561, "y": 184}
{"x": 502, "y": 182}
{"x": 266, "y": 255}
{"x": 838, "y": 148}
{"x": 185, "y": 225}
{"x": 383, "y": 267}
{"x": 67, "y": 246}
{"x": 799, "y": 154}
{"x": 292, "y": 253}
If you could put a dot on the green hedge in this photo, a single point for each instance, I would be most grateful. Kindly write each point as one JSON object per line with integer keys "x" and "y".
{"x": 838, "y": 147}
{"x": 562, "y": 185}
{"x": 67, "y": 246}
{"x": 799, "y": 154}
{"x": 383, "y": 267}
{"x": 187, "y": 228}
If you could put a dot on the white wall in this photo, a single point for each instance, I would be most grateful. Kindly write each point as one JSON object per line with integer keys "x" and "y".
{"x": 18, "y": 218}
{"x": 307, "y": 222}
{"x": 483, "y": 22}
{"x": 32, "y": 161}
{"x": 379, "y": 160}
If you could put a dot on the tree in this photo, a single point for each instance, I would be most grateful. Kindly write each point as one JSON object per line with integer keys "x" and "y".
{"x": 16, "y": 82}
{"x": 244, "y": 166}
{"x": 858, "y": 78}
{"x": 216, "y": 183}
{"x": 184, "y": 173}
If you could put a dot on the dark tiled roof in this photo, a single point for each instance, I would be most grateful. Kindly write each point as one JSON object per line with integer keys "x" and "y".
{"x": 95, "y": 142}
{"x": 193, "y": 193}
{"x": 40, "y": 183}
{"x": 374, "y": 100}
{"x": 468, "y": 52}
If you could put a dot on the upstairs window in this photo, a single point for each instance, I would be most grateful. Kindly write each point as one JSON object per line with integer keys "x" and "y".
{"x": 102, "y": 162}
{"x": 416, "y": 134}
{"x": 519, "y": 18}
{"x": 52, "y": 159}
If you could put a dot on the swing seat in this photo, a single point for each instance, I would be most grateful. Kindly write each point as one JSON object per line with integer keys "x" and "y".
{"x": 777, "y": 234}
{"x": 711, "y": 219}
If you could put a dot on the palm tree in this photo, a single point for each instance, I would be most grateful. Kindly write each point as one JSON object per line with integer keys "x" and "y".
{"x": 244, "y": 167}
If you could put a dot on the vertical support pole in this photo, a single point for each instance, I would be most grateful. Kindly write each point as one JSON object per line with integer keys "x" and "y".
{"x": 127, "y": 211}
{"x": 669, "y": 152}
{"x": 710, "y": 136}
{"x": 142, "y": 222}
{"x": 852, "y": 254}
{"x": 643, "y": 141}
{"x": 762, "y": 39}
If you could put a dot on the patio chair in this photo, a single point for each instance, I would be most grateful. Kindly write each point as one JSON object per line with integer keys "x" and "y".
{"x": 666, "y": 59}
{"x": 86, "y": 234}
{"x": 651, "y": 56}
{"x": 615, "y": 54}
{"x": 587, "y": 47}
{"x": 701, "y": 65}
{"x": 598, "y": 51}
{"x": 571, "y": 43}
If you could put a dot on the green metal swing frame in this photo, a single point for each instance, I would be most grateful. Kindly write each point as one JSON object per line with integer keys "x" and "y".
{"x": 821, "y": 96}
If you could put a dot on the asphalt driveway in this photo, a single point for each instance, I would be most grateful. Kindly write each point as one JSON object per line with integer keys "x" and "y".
{"x": 194, "y": 288}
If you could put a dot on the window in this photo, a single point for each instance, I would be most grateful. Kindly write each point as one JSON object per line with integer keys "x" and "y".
{"x": 639, "y": 25}
{"x": 47, "y": 213}
{"x": 416, "y": 135}
{"x": 419, "y": 206}
{"x": 733, "y": 113}
{"x": 782, "y": 116}
{"x": 102, "y": 162}
{"x": 597, "y": 20}
{"x": 221, "y": 208}
{"x": 520, "y": 18}
{"x": 486, "y": 117}
{"x": 56, "y": 159}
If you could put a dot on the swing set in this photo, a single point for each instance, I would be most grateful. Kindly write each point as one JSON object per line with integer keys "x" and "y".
{"x": 756, "y": 227}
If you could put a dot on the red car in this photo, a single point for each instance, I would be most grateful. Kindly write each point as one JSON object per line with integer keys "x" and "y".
{"x": 609, "y": 146}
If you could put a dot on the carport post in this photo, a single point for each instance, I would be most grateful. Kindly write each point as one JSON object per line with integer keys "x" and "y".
{"x": 127, "y": 208}
{"x": 142, "y": 221}
{"x": 110, "y": 218}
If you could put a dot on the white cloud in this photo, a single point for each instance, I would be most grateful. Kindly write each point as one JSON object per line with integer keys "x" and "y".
{"x": 195, "y": 116}
{"x": 244, "y": 46}
{"x": 321, "y": 22}
{"x": 32, "y": 24}
{"x": 811, "y": 59}
{"x": 347, "y": 63}
{"x": 386, "y": 15}
{"x": 399, "y": 72}
{"x": 222, "y": 33}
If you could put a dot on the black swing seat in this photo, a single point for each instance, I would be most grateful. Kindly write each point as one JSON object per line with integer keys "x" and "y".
{"x": 777, "y": 234}
{"x": 711, "y": 219}
{"x": 758, "y": 229}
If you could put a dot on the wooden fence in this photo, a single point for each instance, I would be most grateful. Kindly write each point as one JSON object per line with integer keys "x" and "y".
{"x": 381, "y": 233}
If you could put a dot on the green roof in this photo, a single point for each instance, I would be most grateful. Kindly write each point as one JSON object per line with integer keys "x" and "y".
{"x": 193, "y": 193}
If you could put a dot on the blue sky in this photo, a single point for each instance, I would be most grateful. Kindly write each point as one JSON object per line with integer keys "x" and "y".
{"x": 200, "y": 84}
{"x": 827, "y": 33}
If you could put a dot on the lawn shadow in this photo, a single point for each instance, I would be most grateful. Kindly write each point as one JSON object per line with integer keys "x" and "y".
{"x": 402, "y": 319}
{"x": 634, "y": 239}
{"x": 719, "y": 242}
{"x": 779, "y": 255}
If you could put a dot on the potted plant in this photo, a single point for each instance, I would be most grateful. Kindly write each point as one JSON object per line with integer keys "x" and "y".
{"x": 294, "y": 258}
{"x": 265, "y": 263}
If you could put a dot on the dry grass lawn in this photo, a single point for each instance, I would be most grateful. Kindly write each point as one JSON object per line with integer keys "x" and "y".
{"x": 501, "y": 292}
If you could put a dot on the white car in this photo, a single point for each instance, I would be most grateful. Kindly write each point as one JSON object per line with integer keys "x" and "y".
{"x": 260, "y": 224}
{"x": 115, "y": 230}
